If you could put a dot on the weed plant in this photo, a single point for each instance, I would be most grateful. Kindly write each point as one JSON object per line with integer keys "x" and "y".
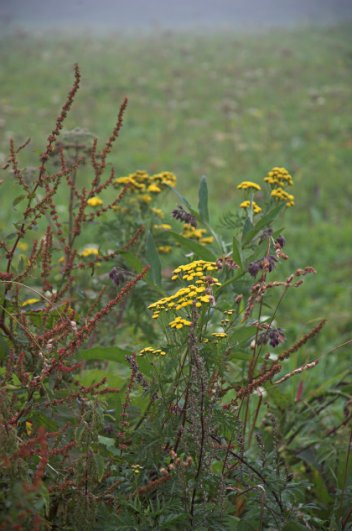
{"x": 146, "y": 380}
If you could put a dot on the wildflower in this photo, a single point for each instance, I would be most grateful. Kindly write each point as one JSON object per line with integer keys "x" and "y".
{"x": 145, "y": 198}
{"x": 117, "y": 275}
{"x": 207, "y": 240}
{"x": 189, "y": 231}
{"x": 166, "y": 178}
{"x": 154, "y": 188}
{"x": 274, "y": 337}
{"x": 219, "y": 335}
{"x": 23, "y": 246}
{"x": 94, "y": 201}
{"x": 137, "y": 469}
{"x": 158, "y": 212}
{"x": 279, "y": 177}
{"x": 254, "y": 268}
{"x": 179, "y": 323}
{"x": 282, "y": 195}
{"x": 281, "y": 241}
{"x": 151, "y": 350}
{"x": 89, "y": 251}
{"x": 29, "y": 302}
{"x": 164, "y": 249}
{"x": 248, "y": 185}
{"x": 182, "y": 215}
{"x": 256, "y": 208}
{"x": 162, "y": 226}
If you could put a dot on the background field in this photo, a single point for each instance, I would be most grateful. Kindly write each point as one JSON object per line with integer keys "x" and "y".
{"x": 228, "y": 106}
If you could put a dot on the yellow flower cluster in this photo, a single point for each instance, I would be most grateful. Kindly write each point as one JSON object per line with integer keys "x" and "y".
{"x": 281, "y": 195}
{"x": 219, "y": 335}
{"x": 279, "y": 178}
{"x": 197, "y": 293}
{"x": 89, "y": 251}
{"x": 179, "y": 322}
{"x": 256, "y": 208}
{"x": 248, "y": 185}
{"x": 136, "y": 469}
{"x": 94, "y": 201}
{"x": 162, "y": 226}
{"x": 164, "y": 249}
{"x": 141, "y": 181}
{"x": 158, "y": 212}
{"x": 196, "y": 234}
{"x": 151, "y": 350}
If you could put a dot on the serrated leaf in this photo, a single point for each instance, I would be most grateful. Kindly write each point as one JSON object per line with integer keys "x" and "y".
{"x": 153, "y": 259}
{"x": 203, "y": 200}
{"x": 189, "y": 245}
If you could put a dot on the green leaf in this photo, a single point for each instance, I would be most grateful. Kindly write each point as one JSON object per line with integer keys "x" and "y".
{"x": 183, "y": 200}
{"x": 203, "y": 200}
{"x": 294, "y": 526}
{"x": 248, "y": 235}
{"x": 18, "y": 200}
{"x": 99, "y": 462}
{"x": 240, "y": 355}
{"x": 243, "y": 333}
{"x": 104, "y": 354}
{"x": 189, "y": 245}
{"x": 237, "y": 253}
{"x": 4, "y": 348}
{"x": 153, "y": 259}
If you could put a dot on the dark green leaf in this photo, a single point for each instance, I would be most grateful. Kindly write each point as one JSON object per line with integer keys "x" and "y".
{"x": 18, "y": 200}
{"x": 237, "y": 253}
{"x": 203, "y": 200}
{"x": 104, "y": 354}
{"x": 189, "y": 245}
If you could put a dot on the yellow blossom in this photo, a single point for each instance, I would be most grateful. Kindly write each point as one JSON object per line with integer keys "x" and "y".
{"x": 28, "y": 302}
{"x": 281, "y": 195}
{"x": 162, "y": 226}
{"x": 164, "y": 249}
{"x": 248, "y": 185}
{"x": 89, "y": 251}
{"x": 219, "y": 335}
{"x": 279, "y": 176}
{"x": 94, "y": 201}
{"x": 255, "y": 206}
{"x": 158, "y": 212}
{"x": 23, "y": 246}
{"x": 154, "y": 188}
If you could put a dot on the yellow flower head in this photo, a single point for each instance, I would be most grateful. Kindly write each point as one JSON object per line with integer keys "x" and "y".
{"x": 89, "y": 251}
{"x": 256, "y": 208}
{"x": 94, "y": 201}
{"x": 248, "y": 185}
{"x": 164, "y": 249}
{"x": 154, "y": 188}
{"x": 28, "y": 302}
{"x": 158, "y": 212}
{"x": 281, "y": 195}
{"x": 279, "y": 176}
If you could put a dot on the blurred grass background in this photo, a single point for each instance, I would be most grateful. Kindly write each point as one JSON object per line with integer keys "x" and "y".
{"x": 224, "y": 105}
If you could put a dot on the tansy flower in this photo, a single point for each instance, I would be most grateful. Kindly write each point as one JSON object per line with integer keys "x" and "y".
{"x": 219, "y": 335}
{"x": 164, "y": 249}
{"x": 248, "y": 185}
{"x": 28, "y": 302}
{"x": 137, "y": 469}
{"x": 255, "y": 206}
{"x": 278, "y": 177}
{"x": 154, "y": 188}
{"x": 158, "y": 212}
{"x": 162, "y": 226}
{"x": 281, "y": 195}
{"x": 89, "y": 251}
{"x": 179, "y": 323}
{"x": 94, "y": 201}
{"x": 145, "y": 198}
